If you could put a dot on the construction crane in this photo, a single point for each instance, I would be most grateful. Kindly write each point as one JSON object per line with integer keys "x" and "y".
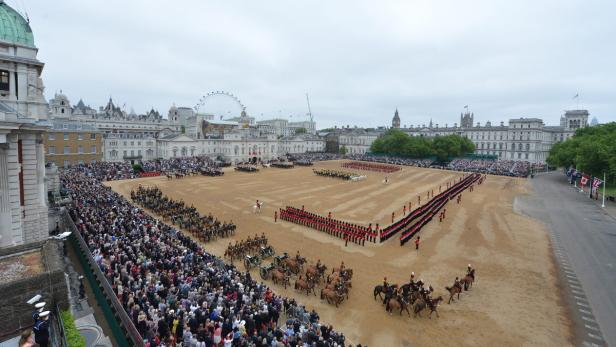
{"x": 309, "y": 111}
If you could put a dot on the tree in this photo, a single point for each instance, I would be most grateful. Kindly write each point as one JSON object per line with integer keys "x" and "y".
{"x": 300, "y": 131}
{"x": 592, "y": 150}
{"x": 397, "y": 142}
{"x": 343, "y": 150}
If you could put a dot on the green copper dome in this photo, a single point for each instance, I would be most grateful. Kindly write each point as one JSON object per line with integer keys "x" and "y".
{"x": 13, "y": 27}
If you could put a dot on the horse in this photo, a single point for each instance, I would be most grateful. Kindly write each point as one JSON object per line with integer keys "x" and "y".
{"x": 419, "y": 305}
{"x": 395, "y": 304}
{"x": 316, "y": 271}
{"x": 433, "y": 305}
{"x": 453, "y": 290}
{"x": 378, "y": 290}
{"x": 305, "y": 285}
{"x": 331, "y": 296}
{"x": 169, "y": 176}
{"x": 256, "y": 208}
{"x": 467, "y": 282}
{"x": 294, "y": 265}
{"x": 280, "y": 277}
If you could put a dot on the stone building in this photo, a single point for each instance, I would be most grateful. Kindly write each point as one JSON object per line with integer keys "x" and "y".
{"x": 23, "y": 120}
{"x": 71, "y": 142}
{"x": 527, "y": 139}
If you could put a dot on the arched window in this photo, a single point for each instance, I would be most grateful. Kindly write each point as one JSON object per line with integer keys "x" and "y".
{"x": 236, "y": 150}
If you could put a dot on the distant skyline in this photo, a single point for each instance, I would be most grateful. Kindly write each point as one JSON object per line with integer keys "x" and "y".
{"x": 359, "y": 61}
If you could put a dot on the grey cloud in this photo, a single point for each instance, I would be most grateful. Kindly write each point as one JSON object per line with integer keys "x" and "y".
{"x": 359, "y": 60}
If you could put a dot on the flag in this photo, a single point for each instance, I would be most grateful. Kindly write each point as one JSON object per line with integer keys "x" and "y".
{"x": 584, "y": 180}
{"x": 596, "y": 184}
{"x": 577, "y": 95}
{"x": 465, "y": 106}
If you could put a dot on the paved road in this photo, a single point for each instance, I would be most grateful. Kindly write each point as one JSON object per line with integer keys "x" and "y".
{"x": 584, "y": 240}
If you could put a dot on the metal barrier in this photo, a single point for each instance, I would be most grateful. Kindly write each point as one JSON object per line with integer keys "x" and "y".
{"x": 122, "y": 326}
{"x": 60, "y": 323}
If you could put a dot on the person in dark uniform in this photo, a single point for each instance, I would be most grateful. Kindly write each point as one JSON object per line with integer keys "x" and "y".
{"x": 38, "y": 308}
{"x": 41, "y": 329}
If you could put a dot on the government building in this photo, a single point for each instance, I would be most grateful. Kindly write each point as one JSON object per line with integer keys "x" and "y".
{"x": 527, "y": 139}
{"x": 183, "y": 133}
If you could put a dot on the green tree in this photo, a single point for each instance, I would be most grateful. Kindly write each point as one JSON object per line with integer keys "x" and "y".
{"x": 592, "y": 150}
{"x": 343, "y": 150}
{"x": 300, "y": 131}
{"x": 397, "y": 142}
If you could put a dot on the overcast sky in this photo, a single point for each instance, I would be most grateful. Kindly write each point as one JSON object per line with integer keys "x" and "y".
{"x": 357, "y": 60}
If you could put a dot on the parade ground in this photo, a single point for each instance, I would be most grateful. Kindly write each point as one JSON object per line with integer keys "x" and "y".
{"x": 516, "y": 299}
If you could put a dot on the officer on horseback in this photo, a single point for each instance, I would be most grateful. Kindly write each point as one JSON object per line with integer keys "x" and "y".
{"x": 470, "y": 271}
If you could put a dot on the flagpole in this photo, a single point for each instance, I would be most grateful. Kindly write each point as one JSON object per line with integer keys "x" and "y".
{"x": 604, "y": 182}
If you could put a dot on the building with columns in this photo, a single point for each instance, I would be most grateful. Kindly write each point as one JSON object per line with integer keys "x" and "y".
{"x": 527, "y": 139}
{"x": 23, "y": 121}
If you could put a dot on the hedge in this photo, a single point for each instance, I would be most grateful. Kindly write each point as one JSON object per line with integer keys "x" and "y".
{"x": 73, "y": 337}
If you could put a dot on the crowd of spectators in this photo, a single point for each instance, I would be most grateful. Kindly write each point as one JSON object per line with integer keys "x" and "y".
{"x": 494, "y": 167}
{"x": 173, "y": 291}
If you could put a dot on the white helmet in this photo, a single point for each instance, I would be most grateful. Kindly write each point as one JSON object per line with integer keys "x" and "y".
{"x": 412, "y": 273}
{"x": 469, "y": 265}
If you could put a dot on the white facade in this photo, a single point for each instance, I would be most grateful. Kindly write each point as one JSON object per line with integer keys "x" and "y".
{"x": 282, "y": 127}
{"x": 129, "y": 146}
{"x": 525, "y": 139}
{"x": 357, "y": 141}
{"x": 301, "y": 144}
{"x": 23, "y": 114}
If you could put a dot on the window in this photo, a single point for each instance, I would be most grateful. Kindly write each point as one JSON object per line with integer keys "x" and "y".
{"x": 51, "y": 136}
{"x": 92, "y": 136}
{"x": 519, "y": 155}
{"x": 139, "y": 152}
{"x": 67, "y": 150}
{"x": 67, "y": 163}
{"x": 93, "y": 149}
{"x": 52, "y": 149}
{"x": 79, "y": 136}
{"x": 80, "y": 149}
{"x": 125, "y": 153}
{"x": 526, "y": 155}
{"x": 65, "y": 136}
{"x": 4, "y": 80}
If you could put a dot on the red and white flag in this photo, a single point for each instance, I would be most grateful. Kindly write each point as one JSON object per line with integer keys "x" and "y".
{"x": 596, "y": 184}
{"x": 584, "y": 180}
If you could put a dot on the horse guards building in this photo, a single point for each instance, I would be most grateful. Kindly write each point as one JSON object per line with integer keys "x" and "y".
{"x": 527, "y": 139}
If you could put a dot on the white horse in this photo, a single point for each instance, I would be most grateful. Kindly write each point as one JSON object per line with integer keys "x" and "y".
{"x": 256, "y": 208}
{"x": 266, "y": 165}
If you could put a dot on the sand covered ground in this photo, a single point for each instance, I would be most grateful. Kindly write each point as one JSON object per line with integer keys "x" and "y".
{"x": 515, "y": 301}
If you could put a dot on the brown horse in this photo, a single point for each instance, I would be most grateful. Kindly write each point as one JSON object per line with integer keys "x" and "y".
{"x": 467, "y": 282}
{"x": 453, "y": 290}
{"x": 316, "y": 272}
{"x": 293, "y": 265}
{"x": 331, "y": 296}
{"x": 397, "y": 304}
{"x": 280, "y": 277}
{"x": 347, "y": 273}
{"x": 433, "y": 305}
{"x": 304, "y": 285}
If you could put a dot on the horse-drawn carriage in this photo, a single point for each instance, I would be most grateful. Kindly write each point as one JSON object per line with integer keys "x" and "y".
{"x": 279, "y": 259}
{"x": 251, "y": 261}
{"x": 266, "y": 252}
{"x": 278, "y": 274}
{"x": 265, "y": 270}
